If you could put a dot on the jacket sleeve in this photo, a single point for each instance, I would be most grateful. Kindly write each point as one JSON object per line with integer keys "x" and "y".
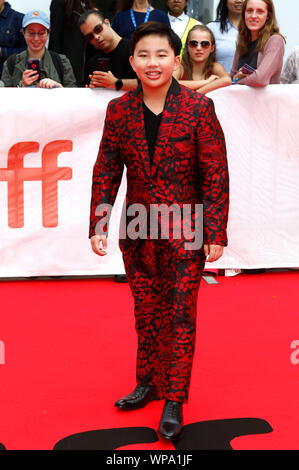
{"x": 6, "y": 77}
{"x": 17, "y": 43}
{"x": 108, "y": 169}
{"x": 214, "y": 179}
{"x": 271, "y": 63}
{"x": 69, "y": 79}
{"x": 16, "y": 49}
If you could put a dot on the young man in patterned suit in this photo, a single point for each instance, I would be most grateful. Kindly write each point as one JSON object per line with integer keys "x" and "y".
{"x": 173, "y": 146}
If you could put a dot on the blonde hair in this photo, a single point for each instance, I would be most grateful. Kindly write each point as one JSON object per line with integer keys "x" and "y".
{"x": 186, "y": 60}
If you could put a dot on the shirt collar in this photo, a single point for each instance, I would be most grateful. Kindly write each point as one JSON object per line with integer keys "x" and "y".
{"x": 175, "y": 18}
{"x": 174, "y": 88}
{"x": 231, "y": 25}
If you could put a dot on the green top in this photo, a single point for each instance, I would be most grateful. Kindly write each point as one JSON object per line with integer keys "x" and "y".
{"x": 48, "y": 70}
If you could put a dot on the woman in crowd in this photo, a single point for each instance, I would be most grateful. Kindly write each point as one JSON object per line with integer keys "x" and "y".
{"x": 259, "y": 56}
{"x": 225, "y": 30}
{"x": 55, "y": 70}
{"x": 65, "y": 37}
{"x": 199, "y": 70}
{"x": 132, "y": 13}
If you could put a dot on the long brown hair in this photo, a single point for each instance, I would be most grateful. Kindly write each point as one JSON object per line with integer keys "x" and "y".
{"x": 269, "y": 28}
{"x": 186, "y": 61}
{"x": 73, "y": 9}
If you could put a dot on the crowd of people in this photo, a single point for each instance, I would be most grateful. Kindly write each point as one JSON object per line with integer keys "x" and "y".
{"x": 77, "y": 46}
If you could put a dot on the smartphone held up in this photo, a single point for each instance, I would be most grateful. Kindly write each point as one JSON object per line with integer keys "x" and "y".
{"x": 103, "y": 65}
{"x": 34, "y": 64}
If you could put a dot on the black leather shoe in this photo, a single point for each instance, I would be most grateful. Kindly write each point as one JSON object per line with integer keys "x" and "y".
{"x": 137, "y": 399}
{"x": 171, "y": 423}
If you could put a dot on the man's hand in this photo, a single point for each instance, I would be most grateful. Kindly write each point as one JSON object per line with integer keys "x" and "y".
{"x": 99, "y": 244}
{"x": 102, "y": 79}
{"x": 213, "y": 252}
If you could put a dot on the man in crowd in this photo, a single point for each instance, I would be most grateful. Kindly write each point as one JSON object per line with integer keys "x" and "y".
{"x": 12, "y": 39}
{"x": 98, "y": 32}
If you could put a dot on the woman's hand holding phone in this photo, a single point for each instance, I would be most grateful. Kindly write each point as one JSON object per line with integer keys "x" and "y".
{"x": 239, "y": 75}
{"x": 29, "y": 77}
{"x": 244, "y": 72}
{"x": 32, "y": 73}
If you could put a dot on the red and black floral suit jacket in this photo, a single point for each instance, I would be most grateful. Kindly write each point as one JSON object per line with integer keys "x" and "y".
{"x": 189, "y": 163}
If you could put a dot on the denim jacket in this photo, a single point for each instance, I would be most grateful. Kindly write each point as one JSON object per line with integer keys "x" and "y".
{"x": 11, "y": 36}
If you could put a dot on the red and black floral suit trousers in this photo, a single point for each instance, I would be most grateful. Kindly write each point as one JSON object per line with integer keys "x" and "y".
{"x": 165, "y": 288}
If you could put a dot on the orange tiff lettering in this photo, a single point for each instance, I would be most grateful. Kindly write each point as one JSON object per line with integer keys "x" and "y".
{"x": 49, "y": 174}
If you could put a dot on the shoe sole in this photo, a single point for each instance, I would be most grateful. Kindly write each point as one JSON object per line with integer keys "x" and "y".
{"x": 169, "y": 438}
{"x": 135, "y": 407}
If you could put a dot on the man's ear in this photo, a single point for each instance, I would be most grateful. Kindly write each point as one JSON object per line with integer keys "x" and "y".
{"x": 131, "y": 60}
{"x": 107, "y": 22}
{"x": 177, "y": 62}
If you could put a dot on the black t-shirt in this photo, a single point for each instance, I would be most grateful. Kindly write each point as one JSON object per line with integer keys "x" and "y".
{"x": 152, "y": 123}
{"x": 119, "y": 62}
{"x": 250, "y": 58}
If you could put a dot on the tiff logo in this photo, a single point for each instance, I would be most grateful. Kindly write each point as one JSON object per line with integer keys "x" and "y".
{"x": 295, "y": 354}
{"x": 2, "y": 353}
{"x": 49, "y": 174}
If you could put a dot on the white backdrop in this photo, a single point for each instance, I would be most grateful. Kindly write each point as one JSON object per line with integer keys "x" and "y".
{"x": 27, "y": 5}
{"x": 44, "y": 116}
{"x": 261, "y": 129}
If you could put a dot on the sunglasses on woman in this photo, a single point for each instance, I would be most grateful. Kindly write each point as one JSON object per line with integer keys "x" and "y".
{"x": 96, "y": 30}
{"x": 203, "y": 44}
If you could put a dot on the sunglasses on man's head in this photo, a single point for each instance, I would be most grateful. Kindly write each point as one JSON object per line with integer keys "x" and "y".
{"x": 203, "y": 44}
{"x": 96, "y": 30}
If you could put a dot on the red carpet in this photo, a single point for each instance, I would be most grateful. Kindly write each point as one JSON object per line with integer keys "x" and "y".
{"x": 70, "y": 353}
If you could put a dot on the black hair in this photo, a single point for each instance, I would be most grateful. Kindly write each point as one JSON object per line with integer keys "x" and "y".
{"x": 87, "y": 13}
{"x": 71, "y": 7}
{"x": 158, "y": 29}
{"x": 222, "y": 15}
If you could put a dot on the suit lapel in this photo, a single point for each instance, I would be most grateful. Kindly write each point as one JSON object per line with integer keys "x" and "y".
{"x": 170, "y": 111}
{"x": 138, "y": 129}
